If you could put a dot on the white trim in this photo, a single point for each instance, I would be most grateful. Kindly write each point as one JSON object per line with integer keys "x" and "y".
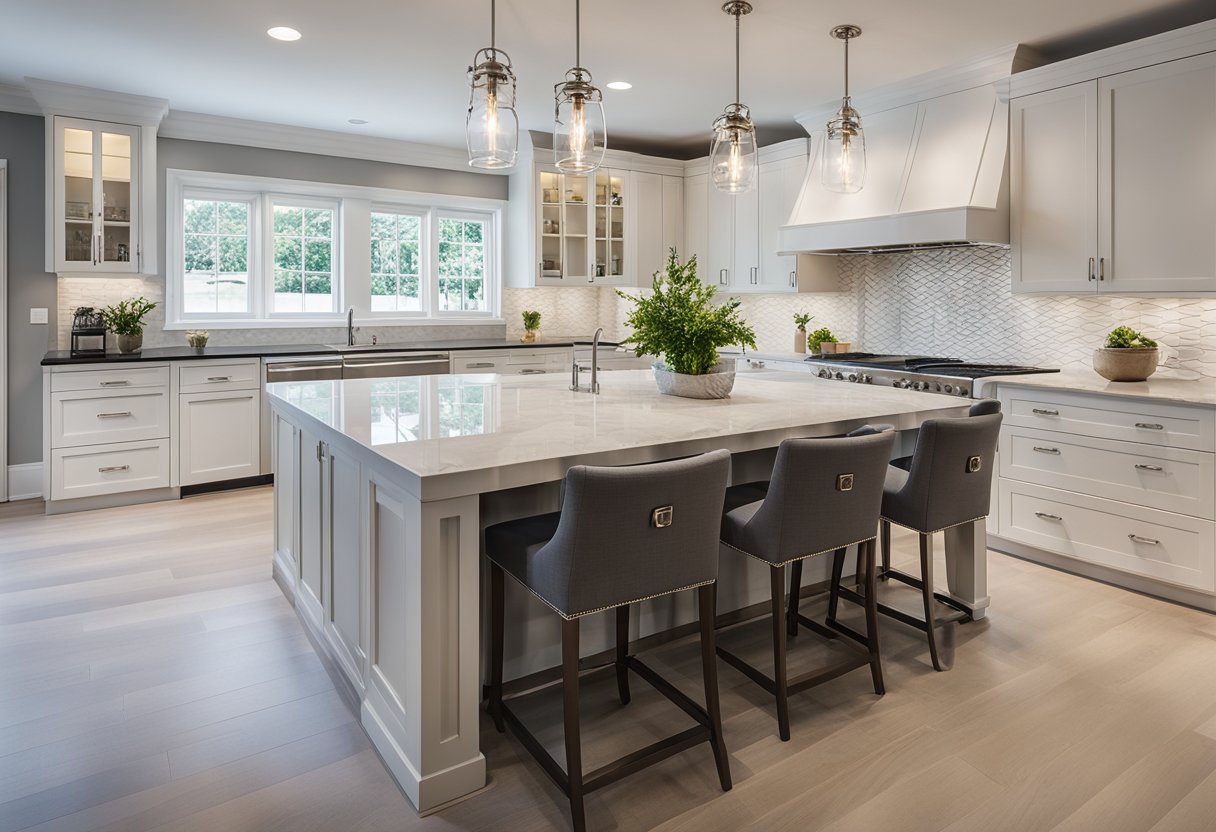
{"x": 25, "y": 481}
{"x": 4, "y": 489}
{"x": 57, "y": 99}
{"x": 15, "y": 99}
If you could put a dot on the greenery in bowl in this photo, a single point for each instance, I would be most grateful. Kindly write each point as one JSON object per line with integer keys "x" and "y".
{"x": 127, "y": 316}
{"x": 678, "y": 323}
{"x": 1124, "y": 337}
{"x": 818, "y": 337}
{"x": 531, "y": 320}
{"x": 801, "y": 319}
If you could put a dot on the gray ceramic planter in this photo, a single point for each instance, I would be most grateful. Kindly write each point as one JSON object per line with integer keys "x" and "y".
{"x": 716, "y": 384}
{"x": 1126, "y": 363}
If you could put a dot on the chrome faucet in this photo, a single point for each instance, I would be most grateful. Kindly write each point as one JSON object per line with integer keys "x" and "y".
{"x": 350, "y": 327}
{"x": 594, "y": 387}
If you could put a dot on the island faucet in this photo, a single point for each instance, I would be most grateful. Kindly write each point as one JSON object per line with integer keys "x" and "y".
{"x": 350, "y": 327}
{"x": 594, "y": 387}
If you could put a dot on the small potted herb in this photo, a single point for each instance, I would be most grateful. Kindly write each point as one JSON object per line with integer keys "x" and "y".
{"x": 197, "y": 338}
{"x": 677, "y": 324}
{"x": 126, "y": 320}
{"x": 817, "y": 339}
{"x": 801, "y": 319}
{"x": 1127, "y": 356}
{"x": 531, "y": 325}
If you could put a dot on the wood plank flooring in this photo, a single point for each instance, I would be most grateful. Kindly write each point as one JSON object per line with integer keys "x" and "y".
{"x": 152, "y": 677}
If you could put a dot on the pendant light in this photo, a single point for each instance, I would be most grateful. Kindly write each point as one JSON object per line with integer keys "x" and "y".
{"x": 843, "y": 168}
{"x": 491, "y": 129}
{"x": 579, "y": 136}
{"x": 732, "y": 155}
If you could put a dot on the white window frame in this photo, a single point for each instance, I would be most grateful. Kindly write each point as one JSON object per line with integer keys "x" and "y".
{"x": 336, "y": 271}
{"x": 353, "y": 206}
{"x": 427, "y": 243}
{"x": 176, "y": 252}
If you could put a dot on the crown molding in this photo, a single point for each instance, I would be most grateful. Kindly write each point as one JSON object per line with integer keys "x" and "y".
{"x": 14, "y": 99}
{"x": 223, "y": 130}
{"x": 56, "y": 99}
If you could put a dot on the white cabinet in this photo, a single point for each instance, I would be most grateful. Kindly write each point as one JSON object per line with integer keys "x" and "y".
{"x": 720, "y": 238}
{"x": 659, "y": 225}
{"x": 1111, "y": 183}
{"x": 345, "y": 569}
{"x": 673, "y": 222}
{"x": 218, "y": 436}
{"x": 696, "y": 223}
{"x": 522, "y": 361}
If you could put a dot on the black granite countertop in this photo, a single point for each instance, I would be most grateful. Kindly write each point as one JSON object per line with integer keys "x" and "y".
{"x": 183, "y": 353}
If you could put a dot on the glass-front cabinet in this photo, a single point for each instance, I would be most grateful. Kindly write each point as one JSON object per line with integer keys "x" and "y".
{"x": 96, "y": 210}
{"x": 609, "y": 266}
{"x": 581, "y": 228}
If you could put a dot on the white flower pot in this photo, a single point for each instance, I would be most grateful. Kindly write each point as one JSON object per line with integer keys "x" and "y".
{"x": 716, "y": 384}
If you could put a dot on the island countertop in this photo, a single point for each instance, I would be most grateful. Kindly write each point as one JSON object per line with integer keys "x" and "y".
{"x": 469, "y": 434}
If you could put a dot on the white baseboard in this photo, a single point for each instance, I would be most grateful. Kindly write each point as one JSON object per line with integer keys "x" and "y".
{"x": 25, "y": 481}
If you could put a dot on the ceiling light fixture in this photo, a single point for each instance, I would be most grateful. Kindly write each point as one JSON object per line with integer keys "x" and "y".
{"x": 732, "y": 155}
{"x": 283, "y": 33}
{"x": 843, "y": 168}
{"x": 491, "y": 129}
{"x": 619, "y": 85}
{"x": 579, "y": 134}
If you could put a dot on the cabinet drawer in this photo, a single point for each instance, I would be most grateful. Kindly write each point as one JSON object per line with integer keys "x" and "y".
{"x": 479, "y": 362}
{"x": 96, "y": 417}
{"x": 207, "y": 377}
{"x": 1142, "y": 541}
{"x": 117, "y": 379}
{"x": 109, "y": 469}
{"x": 1170, "y": 479}
{"x": 1111, "y": 417}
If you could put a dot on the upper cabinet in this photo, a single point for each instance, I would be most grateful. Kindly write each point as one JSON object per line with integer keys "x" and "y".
{"x": 1113, "y": 183}
{"x": 100, "y": 179}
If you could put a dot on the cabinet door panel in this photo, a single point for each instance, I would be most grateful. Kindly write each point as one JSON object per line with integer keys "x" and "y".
{"x": 1158, "y": 177}
{"x": 219, "y": 436}
{"x": 746, "y": 274}
{"x": 779, "y": 185}
{"x": 310, "y": 537}
{"x": 720, "y": 243}
{"x": 696, "y": 224}
{"x": 648, "y": 200}
{"x": 1053, "y": 189}
{"x": 673, "y": 221}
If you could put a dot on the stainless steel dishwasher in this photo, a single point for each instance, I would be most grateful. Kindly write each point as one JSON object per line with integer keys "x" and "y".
{"x": 395, "y": 364}
{"x": 304, "y": 368}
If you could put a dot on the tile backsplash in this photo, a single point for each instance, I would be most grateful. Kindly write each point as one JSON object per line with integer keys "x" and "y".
{"x": 953, "y": 302}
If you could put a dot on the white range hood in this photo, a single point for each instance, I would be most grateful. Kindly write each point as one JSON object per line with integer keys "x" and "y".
{"x": 937, "y": 166}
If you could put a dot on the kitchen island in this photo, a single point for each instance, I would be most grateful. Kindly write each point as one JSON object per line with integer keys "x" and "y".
{"x": 383, "y": 488}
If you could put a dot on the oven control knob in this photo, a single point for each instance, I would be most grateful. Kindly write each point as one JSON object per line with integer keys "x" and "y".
{"x": 900, "y": 383}
{"x": 962, "y": 391}
{"x": 937, "y": 388}
{"x": 867, "y": 378}
{"x": 852, "y": 376}
{"x": 825, "y": 373}
{"x": 949, "y": 388}
{"x": 839, "y": 376}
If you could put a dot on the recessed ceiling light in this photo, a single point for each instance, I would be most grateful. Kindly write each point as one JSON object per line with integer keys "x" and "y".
{"x": 283, "y": 33}
{"x": 620, "y": 85}
{"x": 356, "y": 121}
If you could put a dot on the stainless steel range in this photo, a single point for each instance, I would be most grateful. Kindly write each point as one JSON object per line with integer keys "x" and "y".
{"x": 951, "y": 376}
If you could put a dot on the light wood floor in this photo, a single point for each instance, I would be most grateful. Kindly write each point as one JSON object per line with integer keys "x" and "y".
{"x": 152, "y": 677}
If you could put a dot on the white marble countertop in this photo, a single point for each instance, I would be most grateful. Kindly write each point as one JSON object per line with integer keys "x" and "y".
{"x": 469, "y": 434}
{"x": 1164, "y": 385}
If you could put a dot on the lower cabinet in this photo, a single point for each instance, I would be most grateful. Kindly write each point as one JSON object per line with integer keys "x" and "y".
{"x": 219, "y": 436}
{"x": 532, "y": 361}
{"x": 97, "y": 470}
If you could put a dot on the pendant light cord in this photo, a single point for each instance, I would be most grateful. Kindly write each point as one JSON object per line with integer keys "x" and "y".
{"x": 578, "y": 29}
{"x": 846, "y": 68}
{"x": 737, "y": 54}
{"x": 493, "y": 21}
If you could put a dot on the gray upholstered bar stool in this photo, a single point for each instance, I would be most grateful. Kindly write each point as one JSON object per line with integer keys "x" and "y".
{"x": 824, "y": 496}
{"x": 946, "y": 482}
{"x": 623, "y": 535}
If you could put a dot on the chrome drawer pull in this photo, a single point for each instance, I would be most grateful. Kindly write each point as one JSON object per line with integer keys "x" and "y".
{"x": 1150, "y": 426}
{"x": 1045, "y": 516}
{"x": 479, "y": 364}
{"x": 531, "y": 372}
{"x": 1043, "y": 450}
{"x": 219, "y": 378}
{"x": 1043, "y": 412}
{"x": 110, "y": 469}
{"x": 113, "y": 383}
{"x": 1140, "y": 467}
{"x": 1135, "y": 538}
{"x": 113, "y": 415}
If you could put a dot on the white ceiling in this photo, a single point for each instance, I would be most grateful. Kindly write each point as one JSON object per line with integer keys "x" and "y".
{"x": 401, "y": 65}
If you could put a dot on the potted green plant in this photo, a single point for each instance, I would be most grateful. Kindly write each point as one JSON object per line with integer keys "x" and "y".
{"x": 677, "y": 324}
{"x": 1127, "y": 356}
{"x": 801, "y": 319}
{"x": 126, "y": 320}
{"x": 818, "y": 338}
{"x": 531, "y": 325}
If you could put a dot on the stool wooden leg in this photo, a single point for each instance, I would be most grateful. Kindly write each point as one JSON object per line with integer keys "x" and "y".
{"x": 834, "y": 584}
{"x": 777, "y": 574}
{"x": 707, "y": 603}
{"x": 622, "y": 653}
{"x": 872, "y": 616}
{"x": 926, "y": 576}
{"x": 497, "y": 579}
{"x": 884, "y": 529}
{"x": 791, "y": 616}
{"x": 574, "y": 749}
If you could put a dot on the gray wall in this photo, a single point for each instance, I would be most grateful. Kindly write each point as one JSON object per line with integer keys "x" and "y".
{"x": 22, "y": 144}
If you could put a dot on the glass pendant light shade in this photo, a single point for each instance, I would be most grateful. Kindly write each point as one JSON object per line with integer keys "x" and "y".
{"x": 732, "y": 154}
{"x": 579, "y": 135}
{"x": 843, "y": 166}
{"x": 492, "y": 126}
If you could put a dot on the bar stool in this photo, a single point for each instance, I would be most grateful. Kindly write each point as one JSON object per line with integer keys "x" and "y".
{"x": 946, "y": 482}
{"x": 824, "y": 496}
{"x": 623, "y": 535}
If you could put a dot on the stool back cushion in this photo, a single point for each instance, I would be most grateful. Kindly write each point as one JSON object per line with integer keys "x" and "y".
{"x": 944, "y": 486}
{"x": 825, "y": 494}
{"x": 984, "y": 407}
{"x": 610, "y": 547}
